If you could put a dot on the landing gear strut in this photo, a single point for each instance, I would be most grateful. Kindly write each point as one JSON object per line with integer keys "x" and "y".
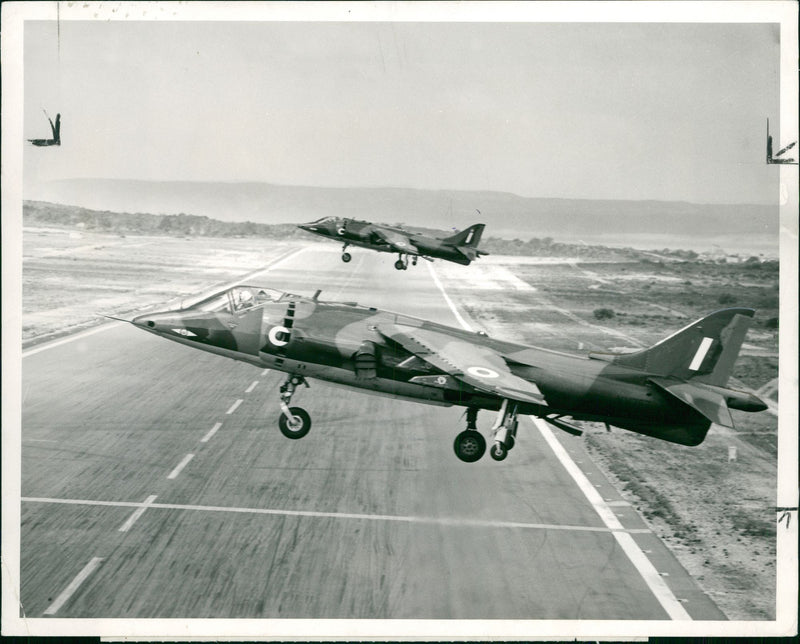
{"x": 505, "y": 430}
{"x": 470, "y": 444}
{"x": 346, "y": 257}
{"x": 294, "y": 421}
{"x": 402, "y": 263}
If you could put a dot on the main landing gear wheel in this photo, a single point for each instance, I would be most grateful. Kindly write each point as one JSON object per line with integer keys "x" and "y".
{"x": 297, "y": 426}
{"x": 469, "y": 445}
{"x": 346, "y": 257}
{"x": 498, "y": 452}
{"x": 400, "y": 265}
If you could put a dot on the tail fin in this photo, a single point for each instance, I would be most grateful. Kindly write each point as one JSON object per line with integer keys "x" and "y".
{"x": 702, "y": 352}
{"x": 467, "y": 237}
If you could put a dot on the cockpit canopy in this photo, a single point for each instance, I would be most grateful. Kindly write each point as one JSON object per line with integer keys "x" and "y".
{"x": 240, "y": 298}
{"x": 324, "y": 220}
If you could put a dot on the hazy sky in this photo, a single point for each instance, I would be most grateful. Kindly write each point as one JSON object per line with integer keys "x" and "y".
{"x": 615, "y": 111}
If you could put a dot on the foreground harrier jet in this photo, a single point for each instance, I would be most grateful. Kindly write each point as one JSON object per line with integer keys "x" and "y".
{"x": 672, "y": 391}
{"x": 460, "y": 248}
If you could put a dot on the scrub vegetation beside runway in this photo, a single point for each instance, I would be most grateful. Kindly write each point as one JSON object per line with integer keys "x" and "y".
{"x": 716, "y": 514}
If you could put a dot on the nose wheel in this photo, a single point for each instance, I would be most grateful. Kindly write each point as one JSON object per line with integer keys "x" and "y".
{"x": 294, "y": 422}
{"x": 346, "y": 257}
{"x": 401, "y": 264}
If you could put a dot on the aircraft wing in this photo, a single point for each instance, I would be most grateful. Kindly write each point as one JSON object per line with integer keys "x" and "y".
{"x": 399, "y": 242}
{"x": 473, "y": 364}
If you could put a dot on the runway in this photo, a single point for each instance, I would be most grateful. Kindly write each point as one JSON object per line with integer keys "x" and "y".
{"x": 156, "y": 484}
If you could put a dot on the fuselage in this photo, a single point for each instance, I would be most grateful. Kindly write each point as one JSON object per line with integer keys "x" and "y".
{"x": 340, "y": 343}
{"x": 364, "y": 234}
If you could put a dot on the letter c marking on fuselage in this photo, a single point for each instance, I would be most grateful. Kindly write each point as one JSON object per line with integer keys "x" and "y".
{"x": 273, "y": 335}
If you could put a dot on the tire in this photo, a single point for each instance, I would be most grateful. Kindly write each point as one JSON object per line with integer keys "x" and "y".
{"x": 510, "y": 442}
{"x": 399, "y": 265}
{"x": 302, "y": 428}
{"x": 498, "y": 452}
{"x": 469, "y": 445}
{"x": 346, "y": 257}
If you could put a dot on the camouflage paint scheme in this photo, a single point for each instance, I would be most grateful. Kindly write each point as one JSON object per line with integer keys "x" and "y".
{"x": 461, "y": 248}
{"x": 672, "y": 391}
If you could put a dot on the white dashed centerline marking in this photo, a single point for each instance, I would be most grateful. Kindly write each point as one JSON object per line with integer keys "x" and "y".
{"x": 251, "y": 387}
{"x": 211, "y": 432}
{"x": 73, "y": 586}
{"x": 265, "y": 372}
{"x": 135, "y": 516}
{"x": 174, "y": 473}
{"x": 234, "y": 406}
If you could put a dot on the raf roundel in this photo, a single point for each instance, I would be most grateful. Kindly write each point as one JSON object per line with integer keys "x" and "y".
{"x": 482, "y": 372}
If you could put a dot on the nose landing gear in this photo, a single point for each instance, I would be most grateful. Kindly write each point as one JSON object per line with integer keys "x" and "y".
{"x": 401, "y": 264}
{"x": 346, "y": 257}
{"x": 294, "y": 422}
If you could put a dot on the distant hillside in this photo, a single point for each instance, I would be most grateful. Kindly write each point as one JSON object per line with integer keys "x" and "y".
{"x": 44, "y": 215}
{"x": 506, "y": 214}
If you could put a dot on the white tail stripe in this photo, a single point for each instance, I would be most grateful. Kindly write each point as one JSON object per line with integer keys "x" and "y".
{"x": 702, "y": 350}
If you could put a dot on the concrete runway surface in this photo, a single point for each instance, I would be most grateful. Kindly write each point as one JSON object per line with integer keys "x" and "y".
{"x": 156, "y": 484}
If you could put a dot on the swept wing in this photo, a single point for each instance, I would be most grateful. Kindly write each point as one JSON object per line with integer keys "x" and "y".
{"x": 398, "y": 241}
{"x": 473, "y": 364}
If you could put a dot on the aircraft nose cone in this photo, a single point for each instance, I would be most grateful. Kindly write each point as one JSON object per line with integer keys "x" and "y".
{"x": 145, "y": 321}
{"x": 156, "y": 322}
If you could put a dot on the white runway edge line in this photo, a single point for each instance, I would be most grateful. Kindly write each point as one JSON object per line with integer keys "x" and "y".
{"x": 211, "y": 432}
{"x": 174, "y": 473}
{"x": 447, "y": 299}
{"x": 453, "y": 522}
{"x": 73, "y": 586}
{"x": 135, "y": 516}
{"x": 77, "y": 336}
{"x": 105, "y": 327}
{"x": 234, "y": 406}
{"x": 646, "y": 569}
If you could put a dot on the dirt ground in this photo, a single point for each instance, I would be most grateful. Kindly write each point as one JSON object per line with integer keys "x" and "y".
{"x": 716, "y": 514}
{"x": 70, "y": 278}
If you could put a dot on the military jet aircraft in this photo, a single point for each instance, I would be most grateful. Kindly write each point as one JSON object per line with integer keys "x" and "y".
{"x": 673, "y": 391}
{"x": 460, "y": 248}
{"x": 777, "y": 158}
{"x": 55, "y": 129}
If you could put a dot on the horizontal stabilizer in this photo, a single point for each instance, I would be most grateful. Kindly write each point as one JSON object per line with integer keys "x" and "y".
{"x": 709, "y": 403}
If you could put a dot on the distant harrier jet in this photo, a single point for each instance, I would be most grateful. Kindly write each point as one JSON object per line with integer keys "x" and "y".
{"x": 56, "y": 128}
{"x": 461, "y": 248}
{"x": 776, "y": 157}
